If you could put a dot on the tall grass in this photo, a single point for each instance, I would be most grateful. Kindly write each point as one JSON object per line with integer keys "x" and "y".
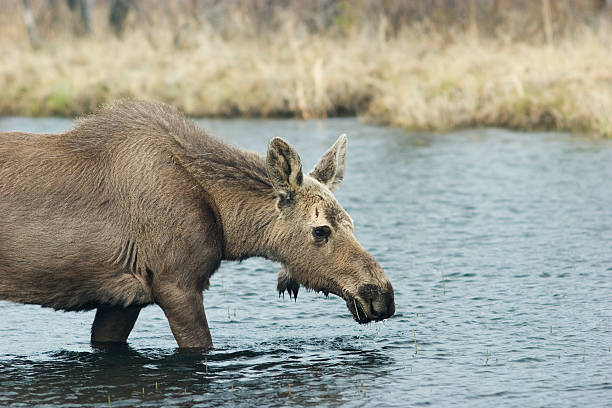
{"x": 444, "y": 85}
{"x": 418, "y": 75}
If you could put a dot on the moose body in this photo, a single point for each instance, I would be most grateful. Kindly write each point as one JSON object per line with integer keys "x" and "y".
{"x": 137, "y": 205}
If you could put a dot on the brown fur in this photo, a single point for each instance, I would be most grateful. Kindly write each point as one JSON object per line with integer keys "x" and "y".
{"x": 137, "y": 205}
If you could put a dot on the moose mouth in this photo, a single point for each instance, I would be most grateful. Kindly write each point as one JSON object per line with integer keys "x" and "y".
{"x": 292, "y": 287}
{"x": 362, "y": 313}
{"x": 357, "y": 310}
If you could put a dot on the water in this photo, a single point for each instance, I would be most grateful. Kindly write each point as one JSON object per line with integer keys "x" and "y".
{"x": 498, "y": 244}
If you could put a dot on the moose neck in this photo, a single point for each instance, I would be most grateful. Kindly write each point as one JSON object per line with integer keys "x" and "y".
{"x": 245, "y": 201}
{"x": 248, "y": 219}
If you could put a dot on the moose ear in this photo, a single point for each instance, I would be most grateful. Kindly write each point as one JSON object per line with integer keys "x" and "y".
{"x": 330, "y": 169}
{"x": 284, "y": 169}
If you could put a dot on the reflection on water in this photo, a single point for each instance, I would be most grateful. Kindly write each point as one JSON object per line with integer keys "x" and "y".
{"x": 498, "y": 247}
{"x": 167, "y": 377}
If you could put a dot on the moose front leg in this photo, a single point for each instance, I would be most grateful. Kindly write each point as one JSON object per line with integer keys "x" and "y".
{"x": 113, "y": 324}
{"x": 184, "y": 310}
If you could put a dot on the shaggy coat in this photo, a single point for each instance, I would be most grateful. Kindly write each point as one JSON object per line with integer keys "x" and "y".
{"x": 137, "y": 205}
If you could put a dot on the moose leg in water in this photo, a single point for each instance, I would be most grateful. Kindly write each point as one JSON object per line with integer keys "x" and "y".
{"x": 113, "y": 324}
{"x": 185, "y": 312}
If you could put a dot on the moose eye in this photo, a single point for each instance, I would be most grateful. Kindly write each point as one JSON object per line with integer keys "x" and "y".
{"x": 321, "y": 232}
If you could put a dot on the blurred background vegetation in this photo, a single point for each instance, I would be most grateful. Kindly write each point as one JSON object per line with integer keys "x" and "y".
{"x": 420, "y": 64}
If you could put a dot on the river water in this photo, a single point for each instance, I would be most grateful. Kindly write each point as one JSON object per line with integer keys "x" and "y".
{"x": 498, "y": 245}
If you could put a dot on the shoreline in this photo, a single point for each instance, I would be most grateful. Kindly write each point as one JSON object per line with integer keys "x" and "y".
{"x": 416, "y": 81}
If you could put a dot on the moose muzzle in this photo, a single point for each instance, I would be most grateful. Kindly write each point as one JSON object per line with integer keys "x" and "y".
{"x": 372, "y": 302}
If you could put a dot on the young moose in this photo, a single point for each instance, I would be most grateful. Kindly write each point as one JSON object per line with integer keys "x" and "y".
{"x": 137, "y": 205}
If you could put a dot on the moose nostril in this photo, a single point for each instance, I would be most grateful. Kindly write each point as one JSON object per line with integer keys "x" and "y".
{"x": 380, "y": 300}
{"x": 382, "y": 307}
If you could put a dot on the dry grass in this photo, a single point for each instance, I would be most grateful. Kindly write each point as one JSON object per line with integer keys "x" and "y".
{"x": 566, "y": 86}
{"x": 417, "y": 79}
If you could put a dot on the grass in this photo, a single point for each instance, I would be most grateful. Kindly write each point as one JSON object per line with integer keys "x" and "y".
{"x": 562, "y": 87}
{"x": 418, "y": 78}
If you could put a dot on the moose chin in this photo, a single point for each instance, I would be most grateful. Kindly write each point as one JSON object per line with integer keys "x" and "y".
{"x": 137, "y": 205}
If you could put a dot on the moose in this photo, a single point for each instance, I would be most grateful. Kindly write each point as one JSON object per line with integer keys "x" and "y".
{"x": 137, "y": 205}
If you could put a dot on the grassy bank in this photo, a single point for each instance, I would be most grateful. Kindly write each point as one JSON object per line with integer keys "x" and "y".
{"x": 417, "y": 78}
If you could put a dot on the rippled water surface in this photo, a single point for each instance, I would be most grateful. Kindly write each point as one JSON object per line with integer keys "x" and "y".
{"x": 499, "y": 247}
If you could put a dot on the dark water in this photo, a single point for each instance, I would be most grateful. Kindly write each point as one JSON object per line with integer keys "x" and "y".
{"x": 498, "y": 244}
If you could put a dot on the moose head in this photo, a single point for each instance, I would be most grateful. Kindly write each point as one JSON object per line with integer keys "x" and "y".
{"x": 317, "y": 246}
